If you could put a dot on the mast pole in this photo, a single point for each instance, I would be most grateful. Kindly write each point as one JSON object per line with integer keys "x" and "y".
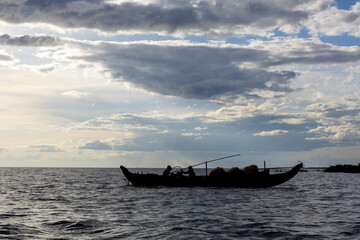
{"x": 206, "y": 168}
{"x": 217, "y": 159}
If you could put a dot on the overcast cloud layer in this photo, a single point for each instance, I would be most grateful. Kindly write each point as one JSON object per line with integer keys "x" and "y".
{"x": 216, "y": 18}
{"x": 87, "y": 83}
{"x": 171, "y": 17}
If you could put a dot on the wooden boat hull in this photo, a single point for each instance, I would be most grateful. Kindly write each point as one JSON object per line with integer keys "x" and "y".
{"x": 253, "y": 180}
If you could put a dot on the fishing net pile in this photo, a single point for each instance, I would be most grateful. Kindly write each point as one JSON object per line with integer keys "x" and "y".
{"x": 250, "y": 169}
{"x": 234, "y": 171}
{"x": 217, "y": 172}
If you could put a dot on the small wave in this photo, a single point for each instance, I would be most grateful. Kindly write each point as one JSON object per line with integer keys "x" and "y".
{"x": 41, "y": 198}
{"x": 18, "y": 231}
{"x": 12, "y": 215}
{"x": 311, "y": 206}
{"x": 44, "y": 186}
{"x": 81, "y": 225}
{"x": 77, "y": 227}
{"x": 352, "y": 231}
{"x": 60, "y": 223}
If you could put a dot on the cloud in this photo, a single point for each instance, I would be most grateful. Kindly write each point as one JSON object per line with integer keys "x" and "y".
{"x": 45, "y": 148}
{"x": 96, "y": 145}
{"x": 290, "y": 121}
{"x": 172, "y": 17}
{"x": 75, "y": 94}
{"x": 217, "y": 18}
{"x": 147, "y": 132}
{"x": 337, "y": 122}
{"x": 154, "y": 132}
{"x": 271, "y": 133}
{"x": 278, "y": 91}
{"x": 205, "y": 71}
{"x": 305, "y": 52}
{"x": 333, "y": 21}
{"x": 348, "y": 110}
{"x": 188, "y": 71}
{"x": 5, "y": 57}
{"x": 47, "y": 69}
{"x": 29, "y": 41}
{"x": 123, "y": 122}
{"x": 344, "y": 134}
{"x": 248, "y": 109}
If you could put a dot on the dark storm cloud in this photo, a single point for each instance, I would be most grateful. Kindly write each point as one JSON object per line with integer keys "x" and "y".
{"x": 196, "y": 72}
{"x": 163, "y": 16}
{"x": 209, "y": 72}
{"x": 29, "y": 41}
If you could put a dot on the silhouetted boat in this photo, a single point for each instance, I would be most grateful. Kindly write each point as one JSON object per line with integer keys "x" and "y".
{"x": 249, "y": 180}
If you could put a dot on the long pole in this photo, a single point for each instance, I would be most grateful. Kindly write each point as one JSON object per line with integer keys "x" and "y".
{"x": 217, "y": 159}
{"x": 206, "y": 168}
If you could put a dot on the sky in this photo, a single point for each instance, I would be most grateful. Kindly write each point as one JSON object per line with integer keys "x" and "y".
{"x": 104, "y": 83}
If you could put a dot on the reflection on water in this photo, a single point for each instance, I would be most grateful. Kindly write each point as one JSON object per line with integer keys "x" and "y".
{"x": 97, "y": 204}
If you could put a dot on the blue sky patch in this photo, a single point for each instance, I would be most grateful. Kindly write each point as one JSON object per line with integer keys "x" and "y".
{"x": 342, "y": 40}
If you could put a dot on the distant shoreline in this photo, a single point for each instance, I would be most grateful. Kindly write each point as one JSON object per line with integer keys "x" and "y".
{"x": 346, "y": 168}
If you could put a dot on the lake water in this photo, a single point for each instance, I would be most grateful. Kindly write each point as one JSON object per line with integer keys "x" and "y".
{"x": 50, "y": 203}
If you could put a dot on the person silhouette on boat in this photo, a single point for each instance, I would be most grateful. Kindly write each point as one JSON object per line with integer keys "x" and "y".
{"x": 167, "y": 171}
{"x": 190, "y": 171}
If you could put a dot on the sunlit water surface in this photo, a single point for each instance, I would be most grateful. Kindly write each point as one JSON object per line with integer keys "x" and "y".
{"x": 41, "y": 203}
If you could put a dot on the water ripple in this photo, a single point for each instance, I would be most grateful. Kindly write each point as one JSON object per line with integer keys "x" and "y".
{"x": 97, "y": 204}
